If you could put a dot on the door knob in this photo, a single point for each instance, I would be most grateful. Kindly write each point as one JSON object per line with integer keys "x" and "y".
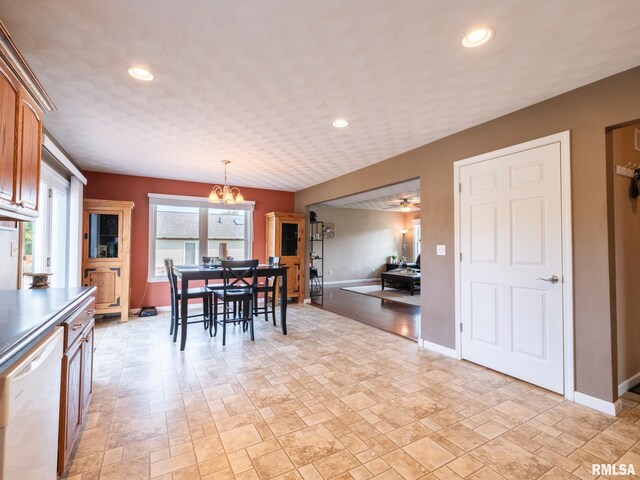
{"x": 552, "y": 279}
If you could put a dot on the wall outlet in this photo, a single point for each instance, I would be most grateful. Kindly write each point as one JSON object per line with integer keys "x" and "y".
{"x": 14, "y": 249}
{"x": 441, "y": 250}
{"x": 330, "y": 272}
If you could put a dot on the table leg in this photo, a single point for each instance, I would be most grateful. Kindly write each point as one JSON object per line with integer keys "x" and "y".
{"x": 411, "y": 287}
{"x": 383, "y": 284}
{"x": 184, "y": 312}
{"x": 283, "y": 301}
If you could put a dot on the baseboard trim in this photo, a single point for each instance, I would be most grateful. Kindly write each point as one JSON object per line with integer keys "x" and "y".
{"x": 449, "y": 352}
{"x": 628, "y": 383}
{"x": 610, "y": 408}
{"x": 355, "y": 280}
{"x": 307, "y": 301}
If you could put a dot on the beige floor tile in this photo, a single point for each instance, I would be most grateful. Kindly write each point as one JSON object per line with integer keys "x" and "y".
{"x": 465, "y": 465}
{"x": 311, "y": 444}
{"x": 240, "y": 461}
{"x": 405, "y": 465}
{"x": 112, "y": 456}
{"x": 364, "y": 405}
{"x": 491, "y": 430}
{"x": 241, "y": 437}
{"x": 462, "y": 437}
{"x": 510, "y": 460}
{"x": 429, "y": 453}
{"x": 309, "y": 472}
{"x": 336, "y": 464}
{"x": 208, "y": 447}
{"x": 358, "y": 401}
{"x": 133, "y": 469}
{"x": 607, "y": 448}
{"x": 272, "y": 464}
{"x": 283, "y": 424}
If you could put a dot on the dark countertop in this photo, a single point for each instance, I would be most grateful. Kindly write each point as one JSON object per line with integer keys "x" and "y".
{"x": 27, "y": 315}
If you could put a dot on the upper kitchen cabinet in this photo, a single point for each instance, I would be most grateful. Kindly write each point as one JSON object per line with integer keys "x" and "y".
{"x": 22, "y": 101}
{"x": 9, "y": 107}
{"x": 28, "y": 171}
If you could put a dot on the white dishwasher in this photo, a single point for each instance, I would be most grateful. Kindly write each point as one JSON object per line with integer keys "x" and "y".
{"x": 30, "y": 412}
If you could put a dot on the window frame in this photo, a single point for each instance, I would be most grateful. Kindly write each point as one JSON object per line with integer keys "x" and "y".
{"x": 156, "y": 199}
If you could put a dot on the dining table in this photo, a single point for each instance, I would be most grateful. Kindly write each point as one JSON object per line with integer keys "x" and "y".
{"x": 192, "y": 273}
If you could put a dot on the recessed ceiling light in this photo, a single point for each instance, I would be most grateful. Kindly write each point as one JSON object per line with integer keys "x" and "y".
{"x": 478, "y": 36}
{"x": 340, "y": 123}
{"x": 140, "y": 73}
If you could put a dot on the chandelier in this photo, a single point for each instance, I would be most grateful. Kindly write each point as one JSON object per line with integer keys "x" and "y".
{"x": 226, "y": 194}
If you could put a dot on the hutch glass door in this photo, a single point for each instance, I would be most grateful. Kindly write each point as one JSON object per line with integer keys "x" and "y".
{"x": 104, "y": 235}
{"x": 289, "y": 240}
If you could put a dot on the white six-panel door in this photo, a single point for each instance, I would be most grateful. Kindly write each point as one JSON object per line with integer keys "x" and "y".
{"x": 511, "y": 307}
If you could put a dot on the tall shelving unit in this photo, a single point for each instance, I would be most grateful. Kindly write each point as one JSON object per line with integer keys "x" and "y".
{"x": 316, "y": 261}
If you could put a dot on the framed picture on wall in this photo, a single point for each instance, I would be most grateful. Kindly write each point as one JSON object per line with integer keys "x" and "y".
{"x": 329, "y": 230}
{"x": 637, "y": 137}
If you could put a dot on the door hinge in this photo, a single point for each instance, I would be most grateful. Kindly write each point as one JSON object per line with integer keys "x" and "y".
{"x": 50, "y": 193}
{"x": 460, "y": 187}
{"x": 461, "y": 326}
{"x": 48, "y": 261}
{"x": 460, "y": 256}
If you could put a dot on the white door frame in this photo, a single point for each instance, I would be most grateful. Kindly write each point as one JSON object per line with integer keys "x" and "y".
{"x": 567, "y": 247}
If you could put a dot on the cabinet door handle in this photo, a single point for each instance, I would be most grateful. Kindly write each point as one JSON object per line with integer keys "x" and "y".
{"x": 77, "y": 326}
{"x": 86, "y": 339}
{"x": 91, "y": 310}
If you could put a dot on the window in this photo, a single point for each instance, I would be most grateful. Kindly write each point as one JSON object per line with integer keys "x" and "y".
{"x": 417, "y": 237}
{"x": 187, "y": 228}
{"x": 45, "y": 241}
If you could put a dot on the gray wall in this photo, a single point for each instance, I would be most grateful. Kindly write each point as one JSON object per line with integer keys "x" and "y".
{"x": 586, "y": 112}
{"x": 363, "y": 241}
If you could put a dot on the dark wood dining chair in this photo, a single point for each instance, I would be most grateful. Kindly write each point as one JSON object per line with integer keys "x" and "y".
{"x": 267, "y": 288}
{"x": 239, "y": 278}
{"x": 209, "y": 261}
{"x": 176, "y": 297}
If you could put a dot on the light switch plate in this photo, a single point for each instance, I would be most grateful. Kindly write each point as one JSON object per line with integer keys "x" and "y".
{"x": 441, "y": 250}
{"x": 14, "y": 249}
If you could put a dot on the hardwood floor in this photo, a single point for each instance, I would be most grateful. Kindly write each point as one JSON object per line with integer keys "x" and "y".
{"x": 395, "y": 317}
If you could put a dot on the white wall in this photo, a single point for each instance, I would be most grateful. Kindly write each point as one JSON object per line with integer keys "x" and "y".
{"x": 8, "y": 264}
{"x": 363, "y": 241}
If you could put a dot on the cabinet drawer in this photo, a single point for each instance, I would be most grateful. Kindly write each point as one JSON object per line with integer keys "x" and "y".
{"x": 78, "y": 321}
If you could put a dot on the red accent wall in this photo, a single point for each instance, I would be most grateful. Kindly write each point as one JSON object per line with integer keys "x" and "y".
{"x": 109, "y": 186}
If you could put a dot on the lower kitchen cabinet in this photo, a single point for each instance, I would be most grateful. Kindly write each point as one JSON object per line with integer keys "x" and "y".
{"x": 77, "y": 378}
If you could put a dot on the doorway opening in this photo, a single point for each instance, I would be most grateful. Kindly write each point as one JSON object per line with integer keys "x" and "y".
{"x": 623, "y": 144}
{"x": 364, "y": 261}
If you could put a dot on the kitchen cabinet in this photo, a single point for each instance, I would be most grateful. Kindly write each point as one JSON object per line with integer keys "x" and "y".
{"x": 77, "y": 377}
{"x": 30, "y": 144}
{"x": 9, "y": 104}
{"x": 285, "y": 239}
{"x": 106, "y": 246}
{"x": 20, "y": 147}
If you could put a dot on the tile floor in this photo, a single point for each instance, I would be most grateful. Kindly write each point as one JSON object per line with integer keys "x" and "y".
{"x": 334, "y": 399}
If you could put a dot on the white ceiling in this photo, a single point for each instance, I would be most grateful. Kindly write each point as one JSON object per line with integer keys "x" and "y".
{"x": 381, "y": 198}
{"x": 259, "y": 82}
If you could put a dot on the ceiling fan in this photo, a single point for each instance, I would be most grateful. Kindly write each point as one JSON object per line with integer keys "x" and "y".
{"x": 405, "y": 205}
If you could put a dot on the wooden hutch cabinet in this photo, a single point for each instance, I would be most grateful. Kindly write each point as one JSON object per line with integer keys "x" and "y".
{"x": 285, "y": 239}
{"x": 106, "y": 251}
